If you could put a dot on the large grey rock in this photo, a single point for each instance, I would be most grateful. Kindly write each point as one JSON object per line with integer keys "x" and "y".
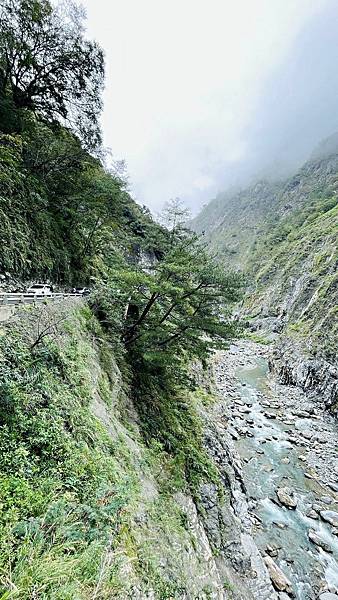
{"x": 279, "y": 580}
{"x": 285, "y": 496}
{"x": 294, "y": 368}
{"x": 316, "y": 539}
{"x": 330, "y": 516}
{"x": 327, "y": 500}
{"x": 328, "y": 596}
{"x": 312, "y": 514}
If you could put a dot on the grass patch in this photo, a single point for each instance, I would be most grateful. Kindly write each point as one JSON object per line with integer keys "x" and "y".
{"x": 65, "y": 485}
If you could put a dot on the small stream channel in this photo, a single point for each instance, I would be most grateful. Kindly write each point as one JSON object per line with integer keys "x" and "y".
{"x": 285, "y": 440}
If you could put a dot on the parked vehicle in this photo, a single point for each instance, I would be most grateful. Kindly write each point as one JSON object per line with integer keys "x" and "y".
{"x": 81, "y": 290}
{"x": 40, "y": 289}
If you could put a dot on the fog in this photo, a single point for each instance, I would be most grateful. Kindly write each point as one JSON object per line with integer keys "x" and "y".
{"x": 203, "y": 95}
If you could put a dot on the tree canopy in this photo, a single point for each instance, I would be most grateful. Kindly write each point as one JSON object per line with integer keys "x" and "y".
{"x": 48, "y": 67}
{"x": 177, "y": 304}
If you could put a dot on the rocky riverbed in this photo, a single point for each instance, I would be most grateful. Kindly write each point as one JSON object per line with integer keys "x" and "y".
{"x": 285, "y": 463}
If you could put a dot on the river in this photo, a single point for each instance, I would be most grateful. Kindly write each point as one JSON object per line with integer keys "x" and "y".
{"x": 286, "y": 445}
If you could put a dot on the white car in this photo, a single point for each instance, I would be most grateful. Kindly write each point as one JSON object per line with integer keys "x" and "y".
{"x": 40, "y": 289}
{"x": 82, "y": 290}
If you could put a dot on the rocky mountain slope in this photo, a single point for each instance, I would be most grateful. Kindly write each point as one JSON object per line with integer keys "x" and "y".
{"x": 283, "y": 235}
{"x": 108, "y": 487}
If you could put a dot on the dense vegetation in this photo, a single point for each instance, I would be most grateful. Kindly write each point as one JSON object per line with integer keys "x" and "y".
{"x": 74, "y": 456}
{"x": 67, "y": 217}
{"x": 87, "y": 506}
{"x": 58, "y": 206}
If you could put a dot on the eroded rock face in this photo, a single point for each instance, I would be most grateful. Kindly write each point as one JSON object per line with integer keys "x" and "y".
{"x": 279, "y": 580}
{"x": 285, "y": 496}
{"x": 291, "y": 365}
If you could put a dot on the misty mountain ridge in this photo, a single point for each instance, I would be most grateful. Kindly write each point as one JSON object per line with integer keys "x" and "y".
{"x": 327, "y": 147}
{"x": 272, "y": 177}
{"x": 283, "y": 234}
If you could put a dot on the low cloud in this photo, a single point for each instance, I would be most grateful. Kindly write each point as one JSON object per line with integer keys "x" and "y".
{"x": 200, "y": 96}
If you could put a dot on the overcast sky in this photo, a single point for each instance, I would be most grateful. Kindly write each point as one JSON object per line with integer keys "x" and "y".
{"x": 201, "y": 94}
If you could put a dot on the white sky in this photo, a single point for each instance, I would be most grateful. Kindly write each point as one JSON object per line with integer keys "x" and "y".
{"x": 183, "y": 82}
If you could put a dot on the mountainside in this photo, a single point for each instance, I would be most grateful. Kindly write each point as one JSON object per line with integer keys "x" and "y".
{"x": 232, "y": 222}
{"x": 95, "y": 499}
{"x": 284, "y": 237}
{"x": 106, "y": 475}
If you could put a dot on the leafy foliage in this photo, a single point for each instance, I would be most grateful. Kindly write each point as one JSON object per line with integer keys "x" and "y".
{"x": 71, "y": 484}
{"x": 177, "y": 305}
{"x": 62, "y": 214}
{"x": 48, "y": 67}
{"x": 61, "y": 211}
{"x": 61, "y": 487}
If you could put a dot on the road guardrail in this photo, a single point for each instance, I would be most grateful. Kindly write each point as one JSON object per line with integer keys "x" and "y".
{"x": 12, "y": 299}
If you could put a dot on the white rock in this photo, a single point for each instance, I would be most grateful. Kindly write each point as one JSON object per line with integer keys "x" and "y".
{"x": 327, "y": 499}
{"x": 312, "y": 514}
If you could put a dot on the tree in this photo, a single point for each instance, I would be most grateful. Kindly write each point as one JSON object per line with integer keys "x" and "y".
{"x": 175, "y": 307}
{"x": 48, "y": 67}
{"x": 175, "y": 214}
{"x": 182, "y": 303}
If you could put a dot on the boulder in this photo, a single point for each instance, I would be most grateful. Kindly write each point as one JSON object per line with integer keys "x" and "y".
{"x": 285, "y": 497}
{"x": 312, "y": 514}
{"x": 279, "y": 580}
{"x": 327, "y": 500}
{"x": 316, "y": 539}
{"x": 272, "y": 550}
{"x": 328, "y": 596}
{"x": 280, "y": 525}
{"x": 330, "y": 516}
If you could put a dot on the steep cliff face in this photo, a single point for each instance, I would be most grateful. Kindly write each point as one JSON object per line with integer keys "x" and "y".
{"x": 284, "y": 236}
{"x": 232, "y": 222}
{"x": 91, "y": 506}
{"x": 296, "y": 272}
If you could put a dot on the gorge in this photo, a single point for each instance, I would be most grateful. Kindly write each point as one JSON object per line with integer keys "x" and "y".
{"x": 168, "y": 431}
